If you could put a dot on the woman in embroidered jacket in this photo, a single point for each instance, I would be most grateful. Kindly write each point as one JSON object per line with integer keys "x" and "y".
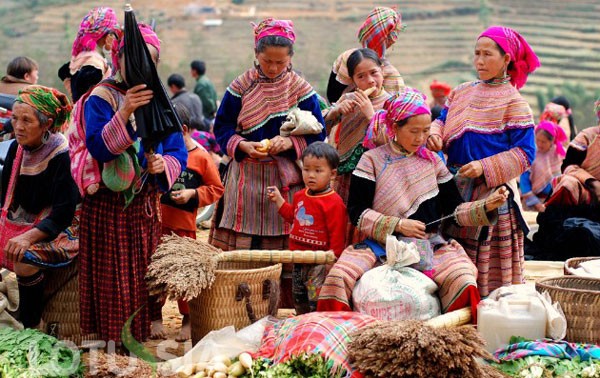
{"x": 44, "y": 194}
{"x": 379, "y": 32}
{"x": 351, "y": 116}
{"x": 403, "y": 189}
{"x": 536, "y": 183}
{"x": 253, "y": 108}
{"x": 486, "y": 129}
{"x": 568, "y": 226}
{"x": 120, "y": 223}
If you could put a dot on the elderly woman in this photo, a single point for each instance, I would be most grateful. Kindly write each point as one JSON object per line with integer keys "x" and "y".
{"x": 403, "y": 189}
{"x": 120, "y": 222}
{"x": 378, "y": 33}
{"x": 39, "y": 194}
{"x": 487, "y": 130}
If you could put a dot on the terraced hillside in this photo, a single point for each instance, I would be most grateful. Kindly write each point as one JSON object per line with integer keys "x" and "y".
{"x": 437, "y": 42}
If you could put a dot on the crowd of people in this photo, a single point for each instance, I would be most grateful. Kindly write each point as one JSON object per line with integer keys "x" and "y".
{"x": 374, "y": 160}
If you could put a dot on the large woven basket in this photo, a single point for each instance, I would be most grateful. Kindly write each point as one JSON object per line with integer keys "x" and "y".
{"x": 242, "y": 293}
{"x": 61, "y": 297}
{"x": 572, "y": 263}
{"x": 579, "y": 298}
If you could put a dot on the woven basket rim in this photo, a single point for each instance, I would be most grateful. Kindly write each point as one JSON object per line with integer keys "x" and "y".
{"x": 247, "y": 271}
{"x": 545, "y": 284}
{"x": 571, "y": 263}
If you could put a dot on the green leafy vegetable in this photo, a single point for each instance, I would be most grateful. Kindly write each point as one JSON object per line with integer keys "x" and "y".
{"x": 549, "y": 367}
{"x": 301, "y": 366}
{"x": 31, "y": 353}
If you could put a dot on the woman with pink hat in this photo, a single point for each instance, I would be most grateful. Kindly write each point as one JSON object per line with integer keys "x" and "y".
{"x": 536, "y": 183}
{"x": 486, "y": 129}
{"x": 247, "y": 128}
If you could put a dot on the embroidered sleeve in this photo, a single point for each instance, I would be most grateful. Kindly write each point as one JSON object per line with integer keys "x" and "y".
{"x": 474, "y": 214}
{"x": 376, "y": 225}
{"x": 579, "y": 173}
{"x": 226, "y": 125}
{"x": 505, "y": 166}
{"x": 107, "y": 133}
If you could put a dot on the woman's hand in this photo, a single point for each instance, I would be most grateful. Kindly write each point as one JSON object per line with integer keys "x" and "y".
{"x": 250, "y": 149}
{"x": 280, "y": 144}
{"x": 411, "y": 228}
{"x": 435, "y": 143}
{"x": 472, "y": 170}
{"x": 275, "y": 196}
{"x": 15, "y": 248}
{"x": 134, "y": 98}
{"x": 496, "y": 199}
{"x": 364, "y": 104}
{"x": 182, "y": 197}
{"x": 539, "y": 207}
{"x": 156, "y": 163}
{"x": 346, "y": 106}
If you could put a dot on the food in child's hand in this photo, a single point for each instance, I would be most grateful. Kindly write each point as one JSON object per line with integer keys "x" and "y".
{"x": 369, "y": 91}
{"x": 265, "y": 145}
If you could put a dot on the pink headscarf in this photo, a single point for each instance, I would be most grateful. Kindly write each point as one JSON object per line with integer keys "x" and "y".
{"x": 524, "y": 59}
{"x": 558, "y": 135}
{"x": 554, "y": 113}
{"x": 95, "y": 25}
{"x": 407, "y": 103}
{"x": 149, "y": 36}
{"x": 271, "y": 26}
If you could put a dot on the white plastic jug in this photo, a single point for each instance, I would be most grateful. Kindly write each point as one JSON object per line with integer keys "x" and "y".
{"x": 514, "y": 315}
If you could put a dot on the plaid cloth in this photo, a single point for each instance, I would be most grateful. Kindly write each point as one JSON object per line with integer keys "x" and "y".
{"x": 115, "y": 250}
{"x": 327, "y": 333}
{"x": 548, "y": 348}
{"x": 381, "y": 29}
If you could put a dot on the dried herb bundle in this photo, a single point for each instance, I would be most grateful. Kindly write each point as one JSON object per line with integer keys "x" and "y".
{"x": 182, "y": 267}
{"x": 413, "y": 349}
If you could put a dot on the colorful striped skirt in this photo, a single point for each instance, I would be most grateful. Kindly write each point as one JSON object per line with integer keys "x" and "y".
{"x": 115, "y": 249}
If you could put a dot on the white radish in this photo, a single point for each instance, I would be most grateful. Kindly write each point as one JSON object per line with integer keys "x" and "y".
{"x": 246, "y": 360}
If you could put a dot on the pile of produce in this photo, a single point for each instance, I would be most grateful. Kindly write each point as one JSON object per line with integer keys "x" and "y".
{"x": 550, "y": 367}
{"x": 31, "y": 353}
{"x": 182, "y": 267}
{"x": 304, "y": 365}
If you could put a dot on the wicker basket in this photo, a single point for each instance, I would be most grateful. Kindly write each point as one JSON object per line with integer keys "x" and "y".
{"x": 242, "y": 293}
{"x": 572, "y": 263}
{"x": 579, "y": 298}
{"x": 61, "y": 297}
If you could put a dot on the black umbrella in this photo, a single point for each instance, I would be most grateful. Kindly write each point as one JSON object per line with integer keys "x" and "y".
{"x": 157, "y": 119}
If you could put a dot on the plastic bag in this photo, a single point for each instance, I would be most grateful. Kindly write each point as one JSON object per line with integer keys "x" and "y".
{"x": 387, "y": 293}
{"x": 223, "y": 342}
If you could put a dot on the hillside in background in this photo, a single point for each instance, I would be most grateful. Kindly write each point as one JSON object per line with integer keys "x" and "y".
{"x": 437, "y": 43}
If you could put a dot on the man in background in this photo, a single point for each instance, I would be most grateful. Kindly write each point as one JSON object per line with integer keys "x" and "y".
{"x": 205, "y": 90}
{"x": 191, "y": 101}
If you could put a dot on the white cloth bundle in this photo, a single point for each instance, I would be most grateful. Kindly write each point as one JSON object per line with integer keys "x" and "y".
{"x": 300, "y": 122}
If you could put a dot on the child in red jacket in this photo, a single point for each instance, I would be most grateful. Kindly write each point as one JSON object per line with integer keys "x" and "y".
{"x": 318, "y": 217}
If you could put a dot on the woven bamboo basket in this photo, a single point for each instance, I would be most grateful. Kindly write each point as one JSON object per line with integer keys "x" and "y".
{"x": 61, "y": 297}
{"x": 579, "y": 298}
{"x": 572, "y": 263}
{"x": 278, "y": 256}
{"x": 242, "y": 293}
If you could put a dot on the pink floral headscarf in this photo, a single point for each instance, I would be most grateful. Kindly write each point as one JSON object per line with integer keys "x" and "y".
{"x": 524, "y": 59}
{"x": 271, "y": 26}
{"x": 95, "y": 25}
{"x": 405, "y": 104}
{"x": 557, "y": 133}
